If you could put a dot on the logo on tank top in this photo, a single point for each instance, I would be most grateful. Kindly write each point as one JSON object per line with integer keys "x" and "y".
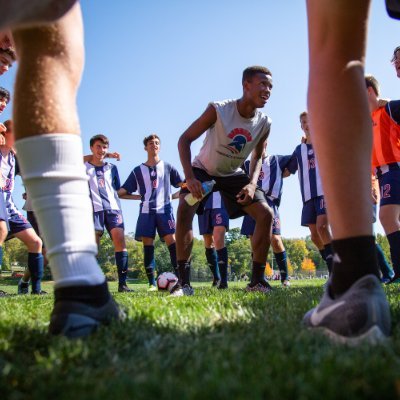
{"x": 239, "y": 137}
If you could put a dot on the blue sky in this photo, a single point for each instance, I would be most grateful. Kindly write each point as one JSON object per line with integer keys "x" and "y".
{"x": 153, "y": 66}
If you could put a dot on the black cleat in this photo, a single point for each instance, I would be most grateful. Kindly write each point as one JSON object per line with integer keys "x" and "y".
{"x": 124, "y": 289}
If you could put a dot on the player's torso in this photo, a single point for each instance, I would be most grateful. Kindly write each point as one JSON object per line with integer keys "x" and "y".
{"x": 154, "y": 187}
{"x": 309, "y": 178}
{"x": 386, "y": 144}
{"x": 230, "y": 140}
{"x": 103, "y": 194}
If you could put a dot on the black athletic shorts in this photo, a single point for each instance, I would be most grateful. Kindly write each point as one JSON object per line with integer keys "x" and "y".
{"x": 229, "y": 187}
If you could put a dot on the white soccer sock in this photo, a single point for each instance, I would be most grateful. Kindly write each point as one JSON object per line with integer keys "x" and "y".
{"x": 54, "y": 175}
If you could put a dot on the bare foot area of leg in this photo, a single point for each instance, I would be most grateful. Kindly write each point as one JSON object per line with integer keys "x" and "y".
{"x": 27, "y": 13}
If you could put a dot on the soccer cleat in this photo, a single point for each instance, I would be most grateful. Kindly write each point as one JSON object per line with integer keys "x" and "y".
{"x": 222, "y": 286}
{"x": 215, "y": 283}
{"x": 262, "y": 287}
{"x": 23, "y": 287}
{"x": 187, "y": 290}
{"x": 285, "y": 283}
{"x": 176, "y": 290}
{"x": 394, "y": 279}
{"x": 75, "y": 319}
{"x": 3, "y": 293}
{"x": 152, "y": 288}
{"x": 124, "y": 289}
{"x": 41, "y": 293}
{"x": 360, "y": 314}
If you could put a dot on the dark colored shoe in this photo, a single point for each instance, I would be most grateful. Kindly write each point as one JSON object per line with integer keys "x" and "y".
{"x": 361, "y": 314}
{"x": 394, "y": 279}
{"x": 216, "y": 283}
{"x": 3, "y": 293}
{"x": 262, "y": 287}
{"x": 124, "y": 289}
{"x": 76, "y": 319}
{"x": 41, "y": 293}
{"x": 222, "y": 286}
{"x": 176, "y": 290}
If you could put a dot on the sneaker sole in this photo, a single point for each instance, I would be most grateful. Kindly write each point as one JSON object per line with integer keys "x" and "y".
{"x": 374, "y": 336}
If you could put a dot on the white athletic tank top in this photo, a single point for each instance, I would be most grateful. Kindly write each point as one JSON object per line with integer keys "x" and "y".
{"x": 230, "y": 140}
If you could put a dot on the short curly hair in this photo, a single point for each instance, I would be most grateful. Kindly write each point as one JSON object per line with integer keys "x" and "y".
{"x": 250, "y": 72}
{"x": 10, "y": 52}
{"x": 150, "y": 137}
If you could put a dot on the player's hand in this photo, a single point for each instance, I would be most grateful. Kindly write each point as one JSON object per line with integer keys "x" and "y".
{"x": 375, "y": 195}
{"x": 2, "y": 140}
{"x": 246, "y": 195}
{"x": 194, "y": 187}
{"x": 115, "y": 155}
{"x": 2, "y": 128}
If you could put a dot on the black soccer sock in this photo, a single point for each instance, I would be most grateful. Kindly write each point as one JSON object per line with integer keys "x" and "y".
{"x": 353, "y": 258}
{"x": 223, "y": 264}
{"x": 329, "y": 257}
{"x": 394, "y": 242}
{"x": 149, "y": 264}
{"x": 212, "y": 261}
{"x": 281, "y": 260}
{"x": 96, "y": 295}
{"x": 172, "y": 256}
{"x": 257, "y": 273}
{"x": 184, "y": 272}
{"x": 121, "y": 259}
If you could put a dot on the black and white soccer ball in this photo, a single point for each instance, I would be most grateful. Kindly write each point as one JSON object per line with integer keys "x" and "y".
{"x": 166, "y": 281}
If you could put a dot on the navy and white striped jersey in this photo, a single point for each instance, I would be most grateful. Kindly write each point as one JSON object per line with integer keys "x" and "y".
{"x": 9, "y": 168}
{"x": 154, "y": 185}
{"x": 103, "y": 184}
{"x": 304, "y": 160}
{"x": 214, "y": 201}
{"x": 270, "y": 179}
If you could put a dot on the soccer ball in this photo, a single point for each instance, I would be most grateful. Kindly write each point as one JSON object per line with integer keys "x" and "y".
{"x": 166, "y": 281}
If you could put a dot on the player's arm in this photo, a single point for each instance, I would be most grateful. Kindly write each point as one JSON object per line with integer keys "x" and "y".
{"x": 123, "y": 194}
{"x": 246, "y": 195}
{"x": 113, "y": 154}
{"x": 198, "y": 127}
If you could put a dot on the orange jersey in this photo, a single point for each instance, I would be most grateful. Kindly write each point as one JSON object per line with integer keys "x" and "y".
{"x": 386, "y": 148}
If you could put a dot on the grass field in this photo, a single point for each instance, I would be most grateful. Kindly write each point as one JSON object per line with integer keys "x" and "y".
{"x": 215, "y": 345}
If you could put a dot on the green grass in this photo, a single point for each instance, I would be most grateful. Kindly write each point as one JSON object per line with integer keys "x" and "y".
{"x": 215, "y": 345}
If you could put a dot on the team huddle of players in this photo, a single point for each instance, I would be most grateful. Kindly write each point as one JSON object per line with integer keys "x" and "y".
{"x": 230, "y": 138}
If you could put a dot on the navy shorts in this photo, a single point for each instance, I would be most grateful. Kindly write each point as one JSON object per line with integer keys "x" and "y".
{"x": 147, "y": 224}
{"x": 229, "y": 186}
{"x": 248, "y": 224}
{"x": 389, "y": 185}
{"x": 312, "y": 209}
{"x": 108, "y": 219}
{"x": 3, "y": 211}
{"x": 17, "y": 222}
{"x": 211, "y": 218}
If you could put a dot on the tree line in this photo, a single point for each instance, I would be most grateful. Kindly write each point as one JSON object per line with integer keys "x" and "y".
{"x": 303, "y": 256}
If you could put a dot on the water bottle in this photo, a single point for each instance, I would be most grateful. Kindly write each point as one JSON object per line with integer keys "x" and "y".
{"x": 207, "y": 188}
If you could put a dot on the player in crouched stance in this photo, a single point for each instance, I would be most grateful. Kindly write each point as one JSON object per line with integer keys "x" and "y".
{"x": 273, "y": 170}
{"x": 104, "y": 184}
{"x": 235, "y": 128}
{"x": 152, "y": 180}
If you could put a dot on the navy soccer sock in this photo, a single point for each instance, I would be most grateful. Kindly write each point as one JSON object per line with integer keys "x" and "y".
{"x": 329, "y": 256}
{"x": 184, "y": 272}
{"x": 121, "y": 259}
{"x": 354, "y": 258}
{"x": 35, "y": 266}
{"x": 394, "y": 242}
{"x": 223, "y": 265}
{"x": 384, "y": 266}
{"x": 172, "y": 256}
{"x": 281, "y": 260}
{"x": 149, "y": 264}
{"x": 212, "y": 260}
{"x": 1, "y": 257}
{"x": 257, "y": 273}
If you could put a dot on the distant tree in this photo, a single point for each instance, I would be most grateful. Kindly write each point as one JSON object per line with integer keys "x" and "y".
{"x": 233, "y": 235}
{"x": 268, "y": 270}
{"x": 308, "y": 266}
{"x": 296, "y": 250}
{"x": 239, "y": 252}
{"x": 290, "y": 267}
